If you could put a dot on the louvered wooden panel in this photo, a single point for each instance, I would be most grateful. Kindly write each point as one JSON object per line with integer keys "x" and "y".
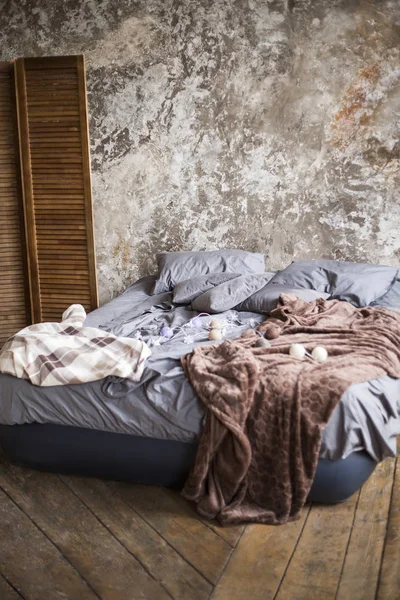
{"x": 14, "y": 313}
{"x": 53, "y": 134}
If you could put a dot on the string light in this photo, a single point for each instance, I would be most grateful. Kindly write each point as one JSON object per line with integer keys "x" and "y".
{"x": 216, "y": 328}
{"x": 195, "y": 329}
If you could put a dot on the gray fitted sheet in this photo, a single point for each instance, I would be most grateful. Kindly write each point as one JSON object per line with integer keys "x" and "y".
{"x": 163, "y": 404}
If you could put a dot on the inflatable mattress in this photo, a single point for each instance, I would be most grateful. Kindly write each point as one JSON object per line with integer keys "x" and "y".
{"x": 148, "y": 431}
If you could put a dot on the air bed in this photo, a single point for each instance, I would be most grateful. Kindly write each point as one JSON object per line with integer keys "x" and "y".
{"x": 92, "y": 453}
{"x": 148, "y": 431}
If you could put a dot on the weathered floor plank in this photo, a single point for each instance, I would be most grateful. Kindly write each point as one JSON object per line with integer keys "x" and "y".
{"x": 156, "y": 555}
{"x": 196, "y": 543}
{"x": 231, "y": 535}
{"x": 7, "y": 592}
{"x": 78, "y": 534}
{"x": 362, "y": 563}
{"x": 389, "y": 582}
{"x": 31, "y": 562}
{"x": 314, "y": 571}
{"x": 259, "y": 561}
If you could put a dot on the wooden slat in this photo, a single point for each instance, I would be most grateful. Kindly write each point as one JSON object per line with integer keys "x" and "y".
{"x": 389, "y": 580}
{"x": 27, "y": 192}
{"x": 68, "y": 294}
{"x": 6, "y": 322}
{"x": 59, "y": 285}
{"x": 63, "y": 99}
{"x": 53, "y": 107}
{"x": 19, "y": 309}
{"x": 58, "y": 212}
{"x": 56, "y": 135}
{"x": 87, "y": 177}
{"x": 43, "y": 78}
{"x": 13, "y": 269}
{"x": 57, "y": 160}
{"x": 45, "y": 131}
{"x": 78, "y": 262}
{"x": 50, "y": 120}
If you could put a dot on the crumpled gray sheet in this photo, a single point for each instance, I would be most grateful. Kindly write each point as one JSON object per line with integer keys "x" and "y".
{"x": 163, "y": 404}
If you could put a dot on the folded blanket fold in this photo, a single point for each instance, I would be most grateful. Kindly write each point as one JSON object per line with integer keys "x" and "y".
{"x": 68, "y": 353}
{"x": 266, "y": 409}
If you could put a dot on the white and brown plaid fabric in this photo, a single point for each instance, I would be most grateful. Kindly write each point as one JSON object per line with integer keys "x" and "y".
{"x": 64, "y": 353}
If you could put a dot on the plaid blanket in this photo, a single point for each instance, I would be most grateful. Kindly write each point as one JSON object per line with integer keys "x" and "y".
{"x": 64, "y": 353}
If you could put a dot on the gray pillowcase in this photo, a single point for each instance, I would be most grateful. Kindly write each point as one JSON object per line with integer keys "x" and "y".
{"x": 267, "y": 298}
{"x": 358, "y": 283}
{"x": 174, "y": 267}
{"x": 229, "y": 294}
{"x": 391, "y": 299}
{"x": 188, "y": 290}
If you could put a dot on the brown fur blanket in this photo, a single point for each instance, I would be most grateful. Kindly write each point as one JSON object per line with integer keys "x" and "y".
{"x": 259, "y": 448}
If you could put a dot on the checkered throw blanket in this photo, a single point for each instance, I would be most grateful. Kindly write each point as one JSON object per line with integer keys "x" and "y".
{"x": 64, "y": 353}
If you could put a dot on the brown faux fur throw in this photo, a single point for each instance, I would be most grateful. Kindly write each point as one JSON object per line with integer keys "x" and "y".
{"x": 259, "y": 448}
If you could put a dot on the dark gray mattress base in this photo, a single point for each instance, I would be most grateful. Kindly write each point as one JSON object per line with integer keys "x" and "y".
{"x": 117, "y": 456}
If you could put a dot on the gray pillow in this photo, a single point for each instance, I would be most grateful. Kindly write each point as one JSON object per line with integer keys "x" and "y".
{"x": 358, "y": 283}
{"x": 391, "y": 299}
{"x": 267, "y": 298}
{"x": 188, "y": 290}
{"x": 229, "y": 294}
{"x": 174, "y": 267}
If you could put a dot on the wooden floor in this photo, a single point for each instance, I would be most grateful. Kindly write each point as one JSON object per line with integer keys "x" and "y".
{"x": 74, "y": 538}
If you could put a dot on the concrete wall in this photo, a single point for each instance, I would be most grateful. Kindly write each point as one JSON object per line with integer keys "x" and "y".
{"x": 265, "y": 125}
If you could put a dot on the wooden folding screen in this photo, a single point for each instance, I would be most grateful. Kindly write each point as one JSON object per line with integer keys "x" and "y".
{"x": 50, "y": 102}
{"x": 14, "y": 304}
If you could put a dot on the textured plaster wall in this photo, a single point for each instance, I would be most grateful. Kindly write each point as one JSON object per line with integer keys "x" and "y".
{"x": 266, "y": 125}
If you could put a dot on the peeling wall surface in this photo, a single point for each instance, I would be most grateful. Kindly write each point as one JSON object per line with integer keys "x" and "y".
{"x": 267, "y": 125}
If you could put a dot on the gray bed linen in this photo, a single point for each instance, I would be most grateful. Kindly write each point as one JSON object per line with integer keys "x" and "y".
{"x": 366, "y": 418}
{"x": 267, "y": 298}
{"x": 230, "y": 293}
{"x": 358, "y": 283}
{"x": 174, "y": 267}
{"x": 391, "y": 299}
{"x": 186, "y": 291}
{"x": 163, "y": 404}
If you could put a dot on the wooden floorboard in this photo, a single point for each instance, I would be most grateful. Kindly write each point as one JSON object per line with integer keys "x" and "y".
{"x": 315, "y": 568}
{"x": 195, "y": 542}
{"x": 389, "y": 579}
{"x": 80, "y": 536}
{"x": 31, "y": 563}
{"x": 259, "y": 562}
{"x": 142, "y": 541}
{"x": 7, "y": 591}
{"x": 231, "y": 535}
{"x": 360, "y": 573}
{"x": 77, "y": 538}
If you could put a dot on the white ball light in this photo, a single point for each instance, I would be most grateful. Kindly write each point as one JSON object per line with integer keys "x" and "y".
{"x": 215, "y": 324}
{"x": 319, "y": 353}
{"x": 215, "y": 334}
{"x": 297, "y": 351}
